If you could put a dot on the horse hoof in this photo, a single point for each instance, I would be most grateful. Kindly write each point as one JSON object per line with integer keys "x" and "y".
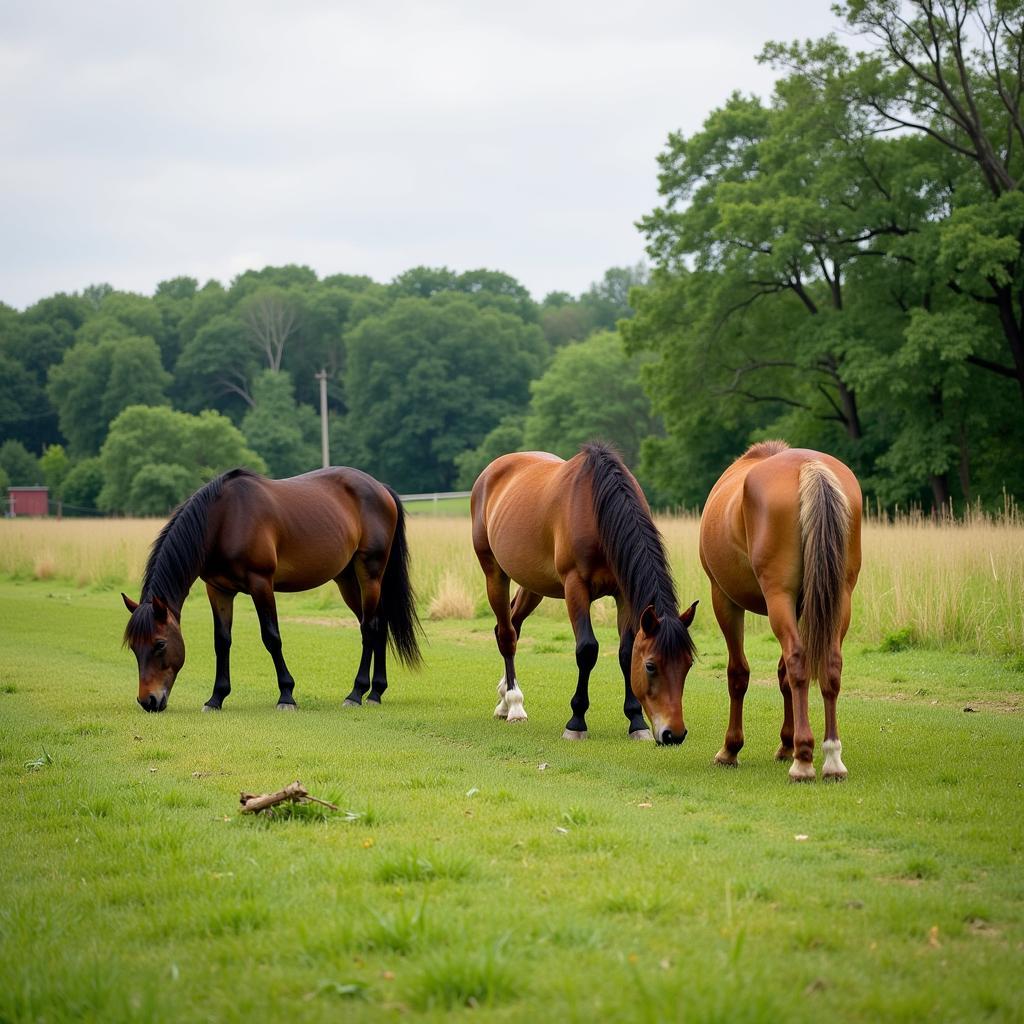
{"x": 574, "y": 734}
{"x": 833, "y": 776}
{"x": 350, "y": 703}
{"x": 287, "y": 707}
{"x": 501, "y": 711}
{"x": 801, "y": 771}
{"x": 726, "y": 760}
{"x": 211, "y": 707}
{"x": 784, "y": 753}
{"x": 373, "y": 700}
{"x": 642, "y": 734}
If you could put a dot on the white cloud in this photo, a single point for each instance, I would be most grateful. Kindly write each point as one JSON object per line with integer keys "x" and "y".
{"x": 147, "y": 140}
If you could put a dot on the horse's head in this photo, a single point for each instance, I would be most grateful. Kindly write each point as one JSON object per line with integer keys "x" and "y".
{"x": 662, "y": 655}
{"x": 154, "y": 635}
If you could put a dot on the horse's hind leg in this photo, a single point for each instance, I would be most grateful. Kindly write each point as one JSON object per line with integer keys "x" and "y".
{"x": 730, "y": 618}
{"x": 262, "y": 591}
{"x": 833, "y": 768}
{"x": 785, "y": 751}
{"x": 361, "y": 592}
{"x": 577, "y": 602}
{"x": 510, "y": 694}
{"x": 782, "y": 616}
{"x": 222, "y": 605}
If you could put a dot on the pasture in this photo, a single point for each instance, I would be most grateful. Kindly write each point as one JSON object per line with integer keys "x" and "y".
{"x": 491, "y": 871}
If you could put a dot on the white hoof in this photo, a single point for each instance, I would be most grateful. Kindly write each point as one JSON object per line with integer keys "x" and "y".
{"x": 833, "y": 768}
{"x": 642, "y": 734}
{"x": 514, "y": 700}
{"x": 574, "y": 734}
{"x": 801, "y": 771}
{"x": 501, "y": 711}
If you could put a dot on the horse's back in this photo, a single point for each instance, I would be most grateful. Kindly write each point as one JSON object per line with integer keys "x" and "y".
{"x": 519, "y": 505}
{"x": 304, "y": 530}
{"x": 750, "y": 528}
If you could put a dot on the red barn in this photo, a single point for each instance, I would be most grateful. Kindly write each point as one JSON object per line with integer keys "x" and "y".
{"x": 29, "y": 501}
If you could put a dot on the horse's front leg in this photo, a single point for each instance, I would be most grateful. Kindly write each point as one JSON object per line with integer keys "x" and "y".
{"x": 222, "y": 604}
{"x": 262, "y": 591}
{"x": 577, "y": 602}
{"x": 730, "y": 618}
{"x": 631, "y": 707}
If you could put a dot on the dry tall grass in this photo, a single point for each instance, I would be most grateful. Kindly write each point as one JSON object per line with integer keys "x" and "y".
{"x": 945, "y": 584}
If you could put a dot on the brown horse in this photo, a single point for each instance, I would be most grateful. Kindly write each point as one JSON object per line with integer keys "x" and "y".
{"x": 581, "y": 530}
{"x": 780, "y": 536}
{"x": 245, "y": 533}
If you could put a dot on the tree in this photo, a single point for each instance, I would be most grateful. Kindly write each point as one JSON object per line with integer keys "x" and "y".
{"x": 55, "y": 466}
{"x": 271, "y": 316}
{"x": 591, "y": 391}
{"x": 506, "y": 437}
{"x": 95, "y": 381}
{"x": 429, "y": 378}
{"x": 82, "y": 487}
{"x": 25, "y": 414}
{"x": 285, "y": 435}
{"x": 607, "y": 300}
{"x": 951, "y": 72}
{"x": 216, "y": 368}
{"x": 21, "y": 467}
{"x": 186, "y": 450}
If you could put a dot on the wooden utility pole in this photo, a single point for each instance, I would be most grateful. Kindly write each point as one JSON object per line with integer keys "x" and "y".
{"x": 324, "y": 444}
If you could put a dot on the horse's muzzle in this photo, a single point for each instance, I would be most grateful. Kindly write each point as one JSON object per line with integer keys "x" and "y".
{"x": 670, "y": 739}
{"x": 152, "y": 703}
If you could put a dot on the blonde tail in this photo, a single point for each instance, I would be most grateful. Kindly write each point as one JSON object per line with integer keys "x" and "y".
{"x": 825, "y": 518}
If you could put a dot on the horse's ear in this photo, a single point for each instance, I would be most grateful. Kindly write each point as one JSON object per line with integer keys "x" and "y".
{"x": 128, "y": 602}
{"x": 687, "y": 616}
{"x": 649, "y": 621}
{"x": 159, "y": 610}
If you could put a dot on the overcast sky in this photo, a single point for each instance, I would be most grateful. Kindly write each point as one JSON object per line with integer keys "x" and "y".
{"x": 143, "y": 140}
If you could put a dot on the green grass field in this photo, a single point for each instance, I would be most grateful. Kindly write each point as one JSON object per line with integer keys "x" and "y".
{"x": 488, "y": 871}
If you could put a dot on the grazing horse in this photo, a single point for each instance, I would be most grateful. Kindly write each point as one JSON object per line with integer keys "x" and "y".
{"x": 245, "y": 533}
{"x": 581, "y": 530}
{"x": 780, "y": 536}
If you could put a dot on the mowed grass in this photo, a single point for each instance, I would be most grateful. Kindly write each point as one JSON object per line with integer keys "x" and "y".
{"x": 488, "y": 871}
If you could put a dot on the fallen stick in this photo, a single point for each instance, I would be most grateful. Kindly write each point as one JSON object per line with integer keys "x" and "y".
{"x": 253, "y": 803}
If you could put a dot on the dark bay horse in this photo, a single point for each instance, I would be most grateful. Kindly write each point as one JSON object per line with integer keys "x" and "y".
{"x": 243, "y": 533}
{"x": 780, "y": 536}
{"x": 581, "y": 530}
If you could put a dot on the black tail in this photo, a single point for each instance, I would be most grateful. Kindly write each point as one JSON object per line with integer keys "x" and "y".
{"x": 397, "y": 600}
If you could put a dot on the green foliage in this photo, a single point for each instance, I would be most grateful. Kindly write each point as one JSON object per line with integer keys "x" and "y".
{"x": 55, "y": 466}
{"x": 19, "y": 464}
{"x": 430, "y": 377}
{"x": 506, "y": 437}
{"x": 590, "y": 391}
{"x": 285, "y": 435}
{"x": 189, "y": 450}
{"x": 96, "y": 380}
{"x": 82, "y": 486}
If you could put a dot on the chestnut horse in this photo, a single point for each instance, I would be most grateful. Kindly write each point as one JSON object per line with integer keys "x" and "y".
{"x": 245, "y": 533}
{"x": 780, "y": 536}
{"x": 581, "y": 530}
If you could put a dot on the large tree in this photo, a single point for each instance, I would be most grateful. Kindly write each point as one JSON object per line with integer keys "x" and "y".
{"x": 96, "y": 380}
{"x": 154, "y": 458}
{"x": 428, "y": 378}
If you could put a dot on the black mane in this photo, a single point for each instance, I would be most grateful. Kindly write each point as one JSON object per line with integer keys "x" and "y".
{"x": 176, "y": 556}
{"x": 634, "y": 548}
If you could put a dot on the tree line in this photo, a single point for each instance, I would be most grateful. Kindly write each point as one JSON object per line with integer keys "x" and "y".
{"x": 840, "y": 264}
{"x": 126, "y": 403}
